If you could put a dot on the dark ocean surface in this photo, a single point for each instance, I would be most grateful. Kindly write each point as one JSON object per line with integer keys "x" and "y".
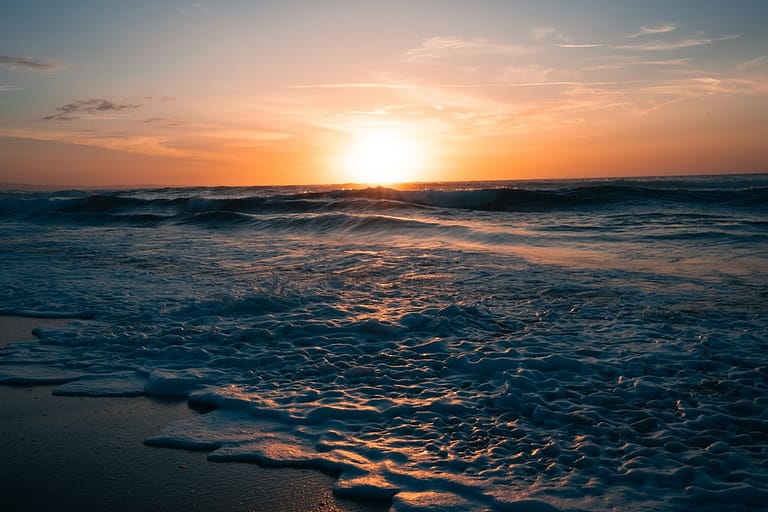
{"x": 584, "y": 345}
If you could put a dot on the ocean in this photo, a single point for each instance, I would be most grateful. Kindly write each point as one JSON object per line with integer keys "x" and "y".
{"x": 517, "y": 346}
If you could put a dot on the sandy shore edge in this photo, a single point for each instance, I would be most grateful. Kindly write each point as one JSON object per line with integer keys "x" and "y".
{"x": 84, "y": 453}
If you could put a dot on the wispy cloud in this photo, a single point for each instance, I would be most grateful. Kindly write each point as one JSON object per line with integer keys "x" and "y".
{"x": 656, "y": 29}
{"x": 540, "y": 33}
{"x": 707, "y": 86}
{"x": 88, "y": 107}
{"x": 753, "y": 63}
{"x": 439, "y": 47}
{"x": 579, "y": 45}
{"x": 155, "y": 145}
{"x": 563, "y": 39}
{"x": 162, "y": 121}
{"x": 31, "y": 64}
{"x": 248, "y": 135}
{"x": 527, "y": 74}
{"x": 354, "y": 85}
{"x": 624, "y": 62}
{"x": 504, "y": 84}
{"x": 680, "y": 63}
{"x": 661, "y": 45}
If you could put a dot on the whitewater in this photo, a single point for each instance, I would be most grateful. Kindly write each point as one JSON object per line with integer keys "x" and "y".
{"x": 585, "y": 345}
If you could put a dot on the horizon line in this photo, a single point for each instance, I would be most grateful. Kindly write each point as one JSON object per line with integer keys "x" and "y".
{"x": 41, "y": 187}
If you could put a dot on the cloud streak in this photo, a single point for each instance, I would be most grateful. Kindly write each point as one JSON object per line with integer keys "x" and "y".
{"x": 753, "y": 63}
{"x": 31, "y": 64}
{"x": 82, "y": 108}
{"x": 540, "y": 33}
{"x": 656, "y": 29}
{"x": 661, "y": 45}
{"x": 439, "y": 47}
{"x": 579, "y": 45}
{"x": 354, "y": 85}
{"x": 154, "y": 145}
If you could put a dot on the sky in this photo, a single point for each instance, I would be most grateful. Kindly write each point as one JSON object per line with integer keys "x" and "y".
{"x": 172, "y": 93}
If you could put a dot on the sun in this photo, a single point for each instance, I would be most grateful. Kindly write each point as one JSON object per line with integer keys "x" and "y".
{"x": 381, "y": 156}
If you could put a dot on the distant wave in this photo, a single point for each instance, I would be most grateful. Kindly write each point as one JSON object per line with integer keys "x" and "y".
{"x": 588, "y": 197}
{"x": 246, "y": 206}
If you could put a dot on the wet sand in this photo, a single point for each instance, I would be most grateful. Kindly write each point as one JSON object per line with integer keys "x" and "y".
{"x": 84, "y": 453}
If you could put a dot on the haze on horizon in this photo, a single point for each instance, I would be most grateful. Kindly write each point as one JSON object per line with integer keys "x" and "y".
{"x": 103, "y": 93}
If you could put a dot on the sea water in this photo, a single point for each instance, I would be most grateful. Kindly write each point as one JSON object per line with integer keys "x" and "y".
{"x": 525, "y": 346}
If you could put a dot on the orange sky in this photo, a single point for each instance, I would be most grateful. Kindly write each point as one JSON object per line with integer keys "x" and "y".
{"x": 260, "y": 93}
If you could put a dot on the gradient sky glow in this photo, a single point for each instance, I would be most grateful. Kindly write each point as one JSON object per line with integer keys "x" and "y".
{"x": 108, "y": 93}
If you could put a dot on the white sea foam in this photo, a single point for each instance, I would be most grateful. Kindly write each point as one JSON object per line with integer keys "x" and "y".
{"x": 423, "y": 364}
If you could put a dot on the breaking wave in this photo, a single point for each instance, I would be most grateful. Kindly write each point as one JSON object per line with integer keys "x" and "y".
{"x": 225, "y": 206}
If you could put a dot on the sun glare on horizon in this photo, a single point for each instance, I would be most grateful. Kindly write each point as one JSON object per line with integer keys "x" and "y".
{"x": 382, "y": 156}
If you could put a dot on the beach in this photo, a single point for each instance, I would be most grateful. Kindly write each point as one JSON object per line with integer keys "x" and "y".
{"x": 86, "y": 453}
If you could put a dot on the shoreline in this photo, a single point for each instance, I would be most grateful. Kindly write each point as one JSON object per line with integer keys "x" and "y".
{"x": 87, "y": 453}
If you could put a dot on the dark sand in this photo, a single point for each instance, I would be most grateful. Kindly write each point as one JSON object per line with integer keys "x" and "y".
{"x": 83, "y": 453}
